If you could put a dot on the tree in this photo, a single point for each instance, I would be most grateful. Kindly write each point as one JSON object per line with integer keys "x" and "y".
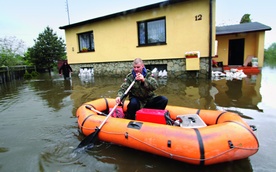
{"x": 11, "y": 51}
{"x": 48, "y": 49}
{"x": 270, "y": 55}
{"x": 245, "y": 18}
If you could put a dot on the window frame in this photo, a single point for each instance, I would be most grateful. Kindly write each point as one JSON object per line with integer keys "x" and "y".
{"x": 146, "y": 36}
{"x": 90, "y": 43}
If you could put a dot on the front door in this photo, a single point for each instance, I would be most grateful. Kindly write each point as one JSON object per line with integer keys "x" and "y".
{"x": 236, "y": 52}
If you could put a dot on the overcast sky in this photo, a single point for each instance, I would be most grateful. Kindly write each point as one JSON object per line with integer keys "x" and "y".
{"x": 25, "y": 19}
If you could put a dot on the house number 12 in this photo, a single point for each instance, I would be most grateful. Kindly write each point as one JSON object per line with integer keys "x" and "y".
{"x": 198, "y": 17}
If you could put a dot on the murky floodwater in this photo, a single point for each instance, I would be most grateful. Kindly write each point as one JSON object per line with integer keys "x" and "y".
{"x": 38, "y": 128}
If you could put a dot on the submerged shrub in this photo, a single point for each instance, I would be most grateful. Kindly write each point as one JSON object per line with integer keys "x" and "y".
{"x": 27, "y": 75}
{"x": 34, "y": 74}
{"x": 31, "y": 75}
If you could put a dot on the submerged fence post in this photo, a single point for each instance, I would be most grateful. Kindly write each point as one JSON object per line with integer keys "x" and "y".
{"x": 14, "y": 72}
{"x": 8, "y": 74}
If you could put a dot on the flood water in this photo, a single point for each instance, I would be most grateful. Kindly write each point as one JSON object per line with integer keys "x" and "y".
{"x": 38, "y": 127}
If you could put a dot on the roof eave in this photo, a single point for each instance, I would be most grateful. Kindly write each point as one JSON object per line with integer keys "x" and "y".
{"x": 248, "y": 31}
{"x": 123, "y": 13}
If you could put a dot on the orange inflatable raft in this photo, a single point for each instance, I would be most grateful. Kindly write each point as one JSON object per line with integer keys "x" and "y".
{"x": 194, "y": 136}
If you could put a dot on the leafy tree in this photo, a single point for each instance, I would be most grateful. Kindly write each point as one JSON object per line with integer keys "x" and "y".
{"x": 48, "y": 49}
{"x": 245, "y": 18}
{"x": 27, "y": 58}
{"x": 11, "y": 51}
{"x": 270, "y": 55}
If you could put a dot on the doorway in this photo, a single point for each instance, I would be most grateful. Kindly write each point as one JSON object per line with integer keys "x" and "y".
{"x": 236, "y": 52}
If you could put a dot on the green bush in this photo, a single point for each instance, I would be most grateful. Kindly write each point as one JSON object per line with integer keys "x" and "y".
{"x": 270, "y": 56}
{"x": 27, "y": 75}
{"x": 34, "y": 74}
{"x": 31, "y": 75}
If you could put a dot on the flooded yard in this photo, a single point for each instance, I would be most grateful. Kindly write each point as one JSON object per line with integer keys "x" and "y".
{"x": 38, "y": 127}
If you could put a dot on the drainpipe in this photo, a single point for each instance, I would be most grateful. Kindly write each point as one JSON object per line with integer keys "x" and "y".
{"x": 210, "y": 37}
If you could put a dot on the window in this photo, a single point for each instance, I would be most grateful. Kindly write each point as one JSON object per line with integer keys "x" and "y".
{"x": 152, "y": 32}
{"x": 86, "y": 41}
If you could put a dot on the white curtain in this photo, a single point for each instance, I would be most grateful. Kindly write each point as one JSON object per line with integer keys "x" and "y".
{"x": 156, "y": 31}
{"x": 142, "y": 35}
{"x": 84, "y": 41}
{"x": 87, "y": 41}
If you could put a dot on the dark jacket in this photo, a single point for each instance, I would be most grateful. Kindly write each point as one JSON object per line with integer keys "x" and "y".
{"x": 66, "y": 69}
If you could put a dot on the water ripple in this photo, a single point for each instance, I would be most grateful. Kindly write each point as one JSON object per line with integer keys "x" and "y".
{"x": 66, "y": 157}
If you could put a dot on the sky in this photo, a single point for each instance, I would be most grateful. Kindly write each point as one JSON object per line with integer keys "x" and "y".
{"x": 26, "y": 19}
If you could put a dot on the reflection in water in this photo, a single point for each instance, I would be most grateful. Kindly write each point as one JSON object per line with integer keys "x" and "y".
{"x": 202, "y": 94}
{"x": 162, "y": 81}
{"x": 67, "y": 84}
{"x": 239, "y": 113}
{"x": 234, "y": 91}
{"x": 52, "y": 91}
{"x": 85, "y": 79}
{"x": 61, "y": 156}
{"x": 190, "y": 93}
{"x": 2, "y": 149}
{"x": 125, "y": 159}
{"x": 239, "y": 93}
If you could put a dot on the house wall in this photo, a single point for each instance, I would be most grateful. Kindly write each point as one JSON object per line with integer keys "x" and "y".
{"x": 116, "y": 39}
{"x": 119, "y": 69}
{"x": 254, "y": 46}
{"x": 260, "y": 48}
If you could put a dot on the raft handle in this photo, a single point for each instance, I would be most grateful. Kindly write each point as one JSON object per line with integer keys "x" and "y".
{"x": 135, "y": 125}
{"x": 253, "y": 127}
{"x": 230, "y": 144}
{"x": 169, "y": 144}
{"x": 126, "y": 135}
{"x": 192, "y": 119}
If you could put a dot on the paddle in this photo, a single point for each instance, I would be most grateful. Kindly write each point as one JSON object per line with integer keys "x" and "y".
{"x": 94, "y": 136}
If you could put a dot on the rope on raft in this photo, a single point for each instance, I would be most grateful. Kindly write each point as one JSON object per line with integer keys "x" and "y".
{"x": 183, "y": 157}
